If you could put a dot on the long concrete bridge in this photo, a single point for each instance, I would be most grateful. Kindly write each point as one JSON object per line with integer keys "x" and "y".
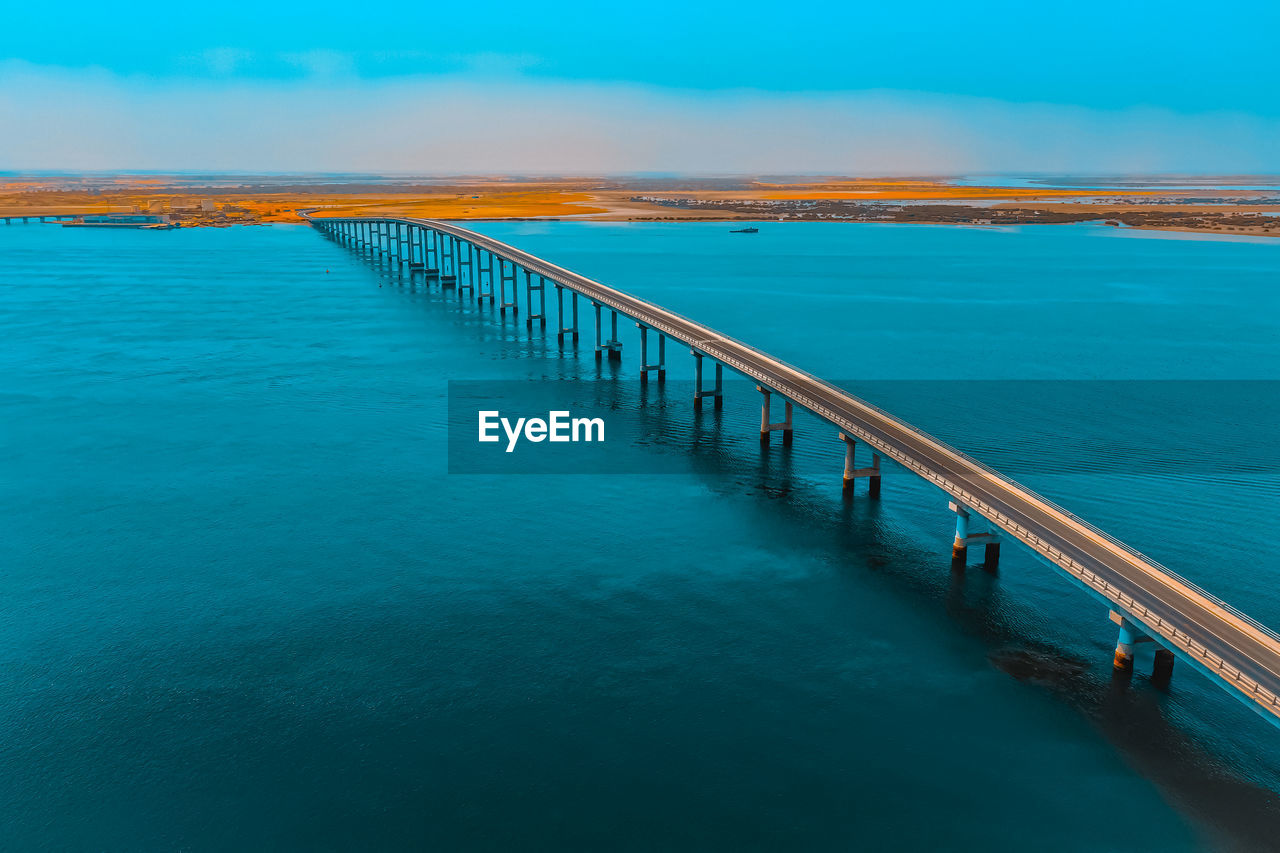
{"x": 1146, "y": 600}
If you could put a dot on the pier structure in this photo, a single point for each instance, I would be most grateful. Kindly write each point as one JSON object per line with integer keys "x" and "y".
{"x": 1148, "y": 602}
{"x": 43, "y": 217}
{"x": 572, "y": 328}
{"x": 852, "y": 472}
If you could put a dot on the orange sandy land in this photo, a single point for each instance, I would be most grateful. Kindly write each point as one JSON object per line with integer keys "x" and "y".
{"x": 499, "y": 198}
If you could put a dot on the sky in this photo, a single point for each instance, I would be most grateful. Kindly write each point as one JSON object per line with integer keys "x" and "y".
{"x": 855, "y": 88}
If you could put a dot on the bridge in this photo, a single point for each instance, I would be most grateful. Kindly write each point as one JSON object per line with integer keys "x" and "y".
{"x": 1147, "y": 601}
{"x": 40, "y": 217}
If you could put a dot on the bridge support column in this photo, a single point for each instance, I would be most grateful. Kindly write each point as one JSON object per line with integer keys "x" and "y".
{"x": 717, "y": 393}
{"x": 431, "y": 254}
{"x": 566, "y": 330}
{"x": 766, "y": 426}
{"x": 645, "y": 366}
{"x": 1130, "y": 636}
{"x": 417, "y": 248}
{"x": 449, "y": 262}
{"x": 487, "y": 269}
{"x": 1162, "y": 669}
{"x": 503, "y": 280}
{"x": 466, "y": 258}
{"x": 852, "y": 472}
{"x": 613, "y": 346}
{"x": 960, "y": 548}
{"x": 529, "y": 288}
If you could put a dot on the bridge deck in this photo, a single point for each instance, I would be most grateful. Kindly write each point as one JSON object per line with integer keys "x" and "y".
{"x": 1240, "y": 653}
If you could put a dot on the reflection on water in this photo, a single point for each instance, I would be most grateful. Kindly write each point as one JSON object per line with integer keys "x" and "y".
{"x": 244, "y": 598}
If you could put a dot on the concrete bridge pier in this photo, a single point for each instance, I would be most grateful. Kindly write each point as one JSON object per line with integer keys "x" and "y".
{"x": 566, "y": 330}
{"x": 645, "y": 366}
{"x": 503, "y": 280}
{"x": 1131, "y": 635}
{"x": 466, "y": 258}
{"x": 414, "y": 248}
{"x": 699, "y": 392}
{"x": 449, "y": 262}
{"x": 852, "y": 472}
{"x": 483, "y": 271}
{"x": 767, "y": 426}
{"x": 431, "y": 253}
{"x": 529, "y": 289}
{"x": 960, "y": 548}
{"x": 613, "y": 346}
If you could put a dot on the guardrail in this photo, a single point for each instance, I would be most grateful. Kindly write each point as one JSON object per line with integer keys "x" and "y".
{"x": 719, "y": 347}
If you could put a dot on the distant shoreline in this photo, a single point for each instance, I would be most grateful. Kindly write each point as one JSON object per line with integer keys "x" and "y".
{"x": 1233, "y": 211}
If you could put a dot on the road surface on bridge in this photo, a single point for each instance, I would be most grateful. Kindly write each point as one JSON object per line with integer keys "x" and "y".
{"x": 1240, "y": 653}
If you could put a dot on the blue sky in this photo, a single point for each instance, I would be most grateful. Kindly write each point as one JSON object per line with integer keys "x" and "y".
{"x": 872, "y": 88}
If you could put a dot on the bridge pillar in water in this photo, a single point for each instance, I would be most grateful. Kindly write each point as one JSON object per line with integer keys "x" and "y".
{"x": 613, "y": 346}
{"x": 964, "y": 538}
{"x": 529, "y": 289}
{"x": 449, "y": 261}
{"x": 960, "y": 549}
{"x": 852, "y": 472}
{"x": 466, "y": 258}
{"x": 417, "y": 248}
{"x": 661, "y": 364}
{"x": 766, "y": 425}
{"x": 698, "y": 391}
{"x": 486, "y": 270}
{"x": 431, "y": 254}
{"x": 503, "y": 281}
{"x": 566, "y": 330}
{"x": 1130, "y": 636}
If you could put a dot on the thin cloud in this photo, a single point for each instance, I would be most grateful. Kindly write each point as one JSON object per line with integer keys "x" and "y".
{"x": 481, "y": 122}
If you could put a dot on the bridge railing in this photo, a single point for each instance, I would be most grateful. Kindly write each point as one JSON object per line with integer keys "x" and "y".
{"x": 818, "y": 408}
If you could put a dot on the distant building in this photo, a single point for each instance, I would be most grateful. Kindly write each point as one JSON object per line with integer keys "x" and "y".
{"x": 207, "y": 205}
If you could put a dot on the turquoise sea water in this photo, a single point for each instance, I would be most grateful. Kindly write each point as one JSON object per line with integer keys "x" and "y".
{"x": 245, "y": 605}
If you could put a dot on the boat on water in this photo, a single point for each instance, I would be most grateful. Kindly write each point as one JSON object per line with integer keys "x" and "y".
{"x": 744, "y": 231}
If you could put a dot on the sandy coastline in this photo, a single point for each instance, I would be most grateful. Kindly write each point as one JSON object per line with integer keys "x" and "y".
{"x": 192, "y": 203}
